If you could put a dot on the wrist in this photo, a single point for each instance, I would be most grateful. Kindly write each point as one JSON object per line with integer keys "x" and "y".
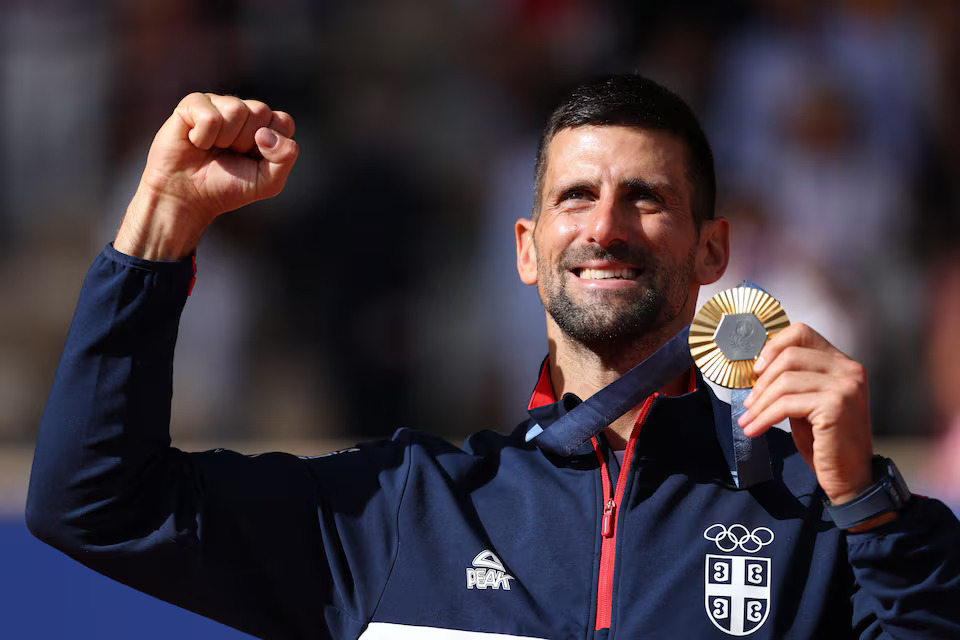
{"x": 877, "y": 504}
{"x": 852, "y": 491}
{"x": 158, "y": 227}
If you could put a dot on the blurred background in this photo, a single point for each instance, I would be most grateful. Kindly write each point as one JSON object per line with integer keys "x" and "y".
{"x": 380, "y": 290}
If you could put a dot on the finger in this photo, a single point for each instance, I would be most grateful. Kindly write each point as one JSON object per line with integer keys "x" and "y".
{"x": 279, "y": 154}
{"x": 259, "y": 116}
{"x": 796, "y": 335}
{"x": 234, "y": 114}
{"x": 201, "y": 119}
{"x": 789, "y": 382}
{"x": 794, "y": 405}
{"x": 834, "y": 399}
{"x": 282, "y": 122}
{"x": 792, "y": 358}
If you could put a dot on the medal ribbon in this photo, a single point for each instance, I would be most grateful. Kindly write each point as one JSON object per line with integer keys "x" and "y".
{"x": 566, "y": 436}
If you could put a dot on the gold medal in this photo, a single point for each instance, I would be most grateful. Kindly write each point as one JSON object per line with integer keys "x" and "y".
{"x": 729, "y": 331}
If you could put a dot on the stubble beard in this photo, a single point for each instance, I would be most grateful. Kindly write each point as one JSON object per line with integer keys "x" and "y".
{"x": 609, "y": 321}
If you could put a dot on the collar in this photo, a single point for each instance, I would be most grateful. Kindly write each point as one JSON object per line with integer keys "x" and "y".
{"x": 545, "y": 409}
{"x": 544, "y": 394}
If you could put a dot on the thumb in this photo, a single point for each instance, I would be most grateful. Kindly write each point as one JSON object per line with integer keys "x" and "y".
{"x": 279, "y": 153}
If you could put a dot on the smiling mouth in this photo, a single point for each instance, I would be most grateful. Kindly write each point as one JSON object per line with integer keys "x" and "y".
{"x": 606, "y": 274}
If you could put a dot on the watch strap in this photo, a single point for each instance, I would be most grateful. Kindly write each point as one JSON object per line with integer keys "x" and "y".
{"x": 888, "y": 493}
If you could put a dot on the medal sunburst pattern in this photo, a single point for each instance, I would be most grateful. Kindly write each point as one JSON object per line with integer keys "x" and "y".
{"x": 713, "y": 364}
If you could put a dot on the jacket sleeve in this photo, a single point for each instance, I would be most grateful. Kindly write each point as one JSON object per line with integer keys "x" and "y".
{"x": 908, "y": 575}
{"x": 274, "y": 545}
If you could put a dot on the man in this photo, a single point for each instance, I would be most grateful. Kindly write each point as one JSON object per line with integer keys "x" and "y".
{"x": 644, "y": 533}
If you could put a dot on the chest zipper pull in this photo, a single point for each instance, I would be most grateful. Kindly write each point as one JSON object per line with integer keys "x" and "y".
{"x": 606, "y": 528}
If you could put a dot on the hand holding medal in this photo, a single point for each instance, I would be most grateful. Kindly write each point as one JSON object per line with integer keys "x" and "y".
{"x": 741, "y": 339}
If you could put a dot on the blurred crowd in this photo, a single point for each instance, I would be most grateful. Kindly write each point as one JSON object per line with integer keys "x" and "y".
{"x": 380, "y": 289}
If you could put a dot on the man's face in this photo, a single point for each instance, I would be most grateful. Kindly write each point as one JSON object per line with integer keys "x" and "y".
{"x": 615, "y": 251}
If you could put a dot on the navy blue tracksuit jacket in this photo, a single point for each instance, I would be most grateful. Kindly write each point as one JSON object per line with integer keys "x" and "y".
{"x": 416, "y": 538}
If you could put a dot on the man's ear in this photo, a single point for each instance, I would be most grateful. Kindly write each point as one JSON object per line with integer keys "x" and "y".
{"x": 713, "y": 251}
{"x": 526, "y": 251}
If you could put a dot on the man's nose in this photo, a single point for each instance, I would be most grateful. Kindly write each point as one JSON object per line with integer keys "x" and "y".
{"x": 609, "y": 223}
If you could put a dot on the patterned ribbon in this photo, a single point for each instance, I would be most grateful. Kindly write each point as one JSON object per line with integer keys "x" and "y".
{"x": 573, "y": 430}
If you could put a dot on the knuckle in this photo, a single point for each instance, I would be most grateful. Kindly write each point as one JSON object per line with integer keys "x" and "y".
{"x": 806, "y": 335}
{"x": 855, "y": 375}
{"x": 789, "y": 355}
{"x": 209, "y": 118}
{"x": 285, "y": 121}
{"x": 848, "y": 388}
{"x": 857, "y": 371}
{"x": 793, "y": 333}
{"x": 260, "y": 113}
{"x": 257, "y": 107}
{"x": 192, "y": 97}
{"x": 233, "y": 109}
{"x": 787, "y": 381}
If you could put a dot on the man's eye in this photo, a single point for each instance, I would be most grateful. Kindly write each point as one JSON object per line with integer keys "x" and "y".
{"x": 644, "y": 196}
{"x": 574, "y": 195}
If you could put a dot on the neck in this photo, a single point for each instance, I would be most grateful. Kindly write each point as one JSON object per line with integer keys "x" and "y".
{"x": 577, "y": 369}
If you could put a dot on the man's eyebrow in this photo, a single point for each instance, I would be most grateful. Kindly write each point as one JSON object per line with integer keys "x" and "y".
{"x": 660, "y": 188}
{"x": 572, "y": 185}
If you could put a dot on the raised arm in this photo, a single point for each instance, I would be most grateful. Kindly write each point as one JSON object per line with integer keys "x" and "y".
{"x": 256, "y": 542}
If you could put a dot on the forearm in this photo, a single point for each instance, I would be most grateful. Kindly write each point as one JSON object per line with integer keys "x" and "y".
{"x": 227, "y": 536}
{"x": 158, "y": 227}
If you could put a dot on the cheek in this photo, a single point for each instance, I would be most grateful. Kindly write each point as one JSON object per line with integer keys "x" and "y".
{"x": 671, "y": 239}
{"x": 552, "y": 242}
{"x": 567, "y": 228}
{"x": 562, "y": 237}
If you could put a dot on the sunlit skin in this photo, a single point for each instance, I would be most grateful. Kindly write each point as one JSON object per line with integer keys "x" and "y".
{"x": 623, "y": 191}
{"x": 213, "y": 154}
{"x": 616, "y": 201}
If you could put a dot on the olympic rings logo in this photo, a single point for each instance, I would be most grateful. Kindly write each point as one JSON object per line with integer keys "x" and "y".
{"x": 738, "y": 536}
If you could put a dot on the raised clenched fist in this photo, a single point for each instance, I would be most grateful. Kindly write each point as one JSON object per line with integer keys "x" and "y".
{"x": 213, "y": 154}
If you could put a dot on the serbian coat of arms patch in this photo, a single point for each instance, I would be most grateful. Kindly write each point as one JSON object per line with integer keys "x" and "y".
{"x": 737, "y": 587}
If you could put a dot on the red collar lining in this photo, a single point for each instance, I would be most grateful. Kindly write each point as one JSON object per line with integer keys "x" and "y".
{"x": 543, "y": 393}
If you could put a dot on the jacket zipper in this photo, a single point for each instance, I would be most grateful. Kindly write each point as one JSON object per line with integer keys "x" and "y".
{"x": 608, "y": 525}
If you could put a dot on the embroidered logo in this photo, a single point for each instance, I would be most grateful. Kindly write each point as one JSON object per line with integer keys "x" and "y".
{"x": 488, "y": 572}
{"x": 737, "y": 588}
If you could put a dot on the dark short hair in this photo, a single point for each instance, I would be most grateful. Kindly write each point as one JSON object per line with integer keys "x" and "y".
{"x": 634, "y": 101}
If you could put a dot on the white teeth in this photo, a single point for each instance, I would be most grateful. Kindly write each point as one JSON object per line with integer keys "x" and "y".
{"x": 605, "y": 274}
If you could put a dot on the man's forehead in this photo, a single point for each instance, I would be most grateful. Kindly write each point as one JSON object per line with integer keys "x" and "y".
{"x": 601, "y": 149}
